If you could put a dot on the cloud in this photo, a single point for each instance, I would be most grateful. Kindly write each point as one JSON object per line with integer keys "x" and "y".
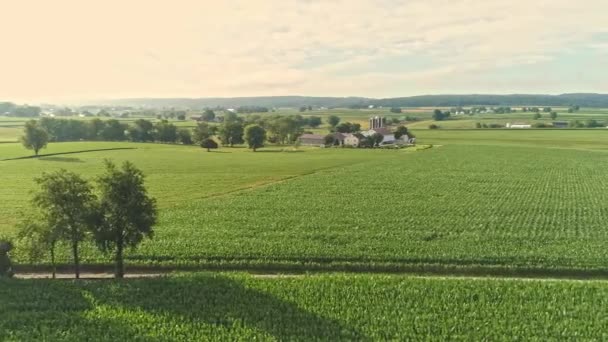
{"x": 69, "y": 49}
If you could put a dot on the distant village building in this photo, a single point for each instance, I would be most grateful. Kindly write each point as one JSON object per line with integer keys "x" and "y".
{"x": 312, "y": 139}
{"x": 318, "y": 139}
{"x": 518, "y": 125}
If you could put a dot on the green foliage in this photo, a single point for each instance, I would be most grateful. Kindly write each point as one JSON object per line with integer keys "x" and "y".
{"x": 208, "y": 115}
{"x": 142, "y": 131}
{"x": 348, "y": 127}
{"x": 314, "y": 121}
{"x": 333, "y": 120}
{"x": 34, "y": 137}
{"x": 395, "y": 110}
{"x": 433, "y": 126}
{"x": 536, "y": 116}
{"x": 231, "y": 132}
{"x": 553, "y": 115}
{"x": 202, "y": 132}
{"x": 66, "y": 203}
{"x": 126, "y": 213}
{"x": 438, "y": 115}
{"x": 401, "y": 131}
{"x": 165, "y": 132}
{"x": 184, "y": 136}
{"x": 209, "y": 144}
{"x": 255, "y": 136}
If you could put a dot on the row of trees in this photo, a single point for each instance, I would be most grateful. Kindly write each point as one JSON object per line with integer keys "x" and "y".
{"x": 552, "y": 115}
{"x": 119, "y": 215}
{"x": 20, "y": 111}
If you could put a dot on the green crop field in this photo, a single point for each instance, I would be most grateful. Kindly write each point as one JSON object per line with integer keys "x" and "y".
{"x": 508, "y": 199}
{"x": 329, "y": 308}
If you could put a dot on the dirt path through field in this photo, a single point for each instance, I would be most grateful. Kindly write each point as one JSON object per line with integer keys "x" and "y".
{"x": 105, "y": 275}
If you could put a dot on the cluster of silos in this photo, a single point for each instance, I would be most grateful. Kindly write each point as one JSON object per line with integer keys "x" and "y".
{"x": 376, "y": 122}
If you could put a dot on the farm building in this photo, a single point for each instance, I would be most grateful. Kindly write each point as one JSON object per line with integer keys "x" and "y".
{"x": 560, "y": 124}
{"x": 518, "y": 125}
{"x": 389, "y": 137}
{"x": 353, "y": 139}
{"x": 312, "y": 139}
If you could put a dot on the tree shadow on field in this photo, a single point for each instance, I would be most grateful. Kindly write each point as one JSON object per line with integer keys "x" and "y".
{"x": 280, "y": 151}
{"x": 224, "y": 302}
{"x": 62, "y": 159}
{"x": 55, "y": 310}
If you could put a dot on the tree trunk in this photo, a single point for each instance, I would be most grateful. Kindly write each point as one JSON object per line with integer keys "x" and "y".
{"x": 76, "y": 259}
{"x": 54, "y": 268}
{"x": 208, "y": 149}
{"x": 254, "y": 149}
{"x": 120, "y": 269}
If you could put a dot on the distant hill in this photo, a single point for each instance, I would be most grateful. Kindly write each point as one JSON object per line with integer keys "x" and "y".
{"x": 581, "y": 99}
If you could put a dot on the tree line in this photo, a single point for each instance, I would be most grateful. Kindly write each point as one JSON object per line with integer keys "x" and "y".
{"x": 277, "y": 129}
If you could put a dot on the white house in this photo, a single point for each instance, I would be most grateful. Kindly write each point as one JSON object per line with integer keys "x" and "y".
{"x": 510, "y": 125}
{"x": 352, "y": 140}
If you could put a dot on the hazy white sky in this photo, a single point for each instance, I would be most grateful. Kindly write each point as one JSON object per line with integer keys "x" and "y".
{"x": 65, "y": 50}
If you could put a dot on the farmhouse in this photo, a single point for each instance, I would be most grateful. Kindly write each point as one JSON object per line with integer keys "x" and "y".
{"x": 312, "y": 139}
{"x": 353, "y": 139}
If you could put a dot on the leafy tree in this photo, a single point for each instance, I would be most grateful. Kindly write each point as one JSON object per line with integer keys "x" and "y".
{"x": 202, "y": 131}
{"x": 314, "y": 121}
{"x": 438, "y": 115}
{"x": 302, "y": 109}
{"x": 329, "y": 139}
{"x": 401, "y": 131}
{"x": 536, "y": 116}
{"x": 184, "y": 136}
{"x": 547, "y": 109}
{"x": 181, "y": 117}
{"x": 37, "y": 238}
{"x": 348, "y": 127}
{"x": 553, "y": 115}
{"x": 128, "y": 213}
{"x": 377, "y": 139}
{"x": 255, "y": 135}
{"x": 478, "y": 125}
{"x": 26, "y": 111}
{"x": 67, "y": 204}
{"x": 231, "y": 132}
{"x": 94, "y": 128}
{"x": 209, "y": 144}
{"x": 165, "y": 132}
{"x": 141, "y": 131}
{"x": 114, "y": 131}
{"x": 208, "y": 115}
{"x": 396, "y": 110}
{"x": 34, "y": 137}
{"x": 285, "y": 129}
{"x": 333, "y": 120}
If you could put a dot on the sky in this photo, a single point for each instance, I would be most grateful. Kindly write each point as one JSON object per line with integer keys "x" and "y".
{"x": 73, "y": 50}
